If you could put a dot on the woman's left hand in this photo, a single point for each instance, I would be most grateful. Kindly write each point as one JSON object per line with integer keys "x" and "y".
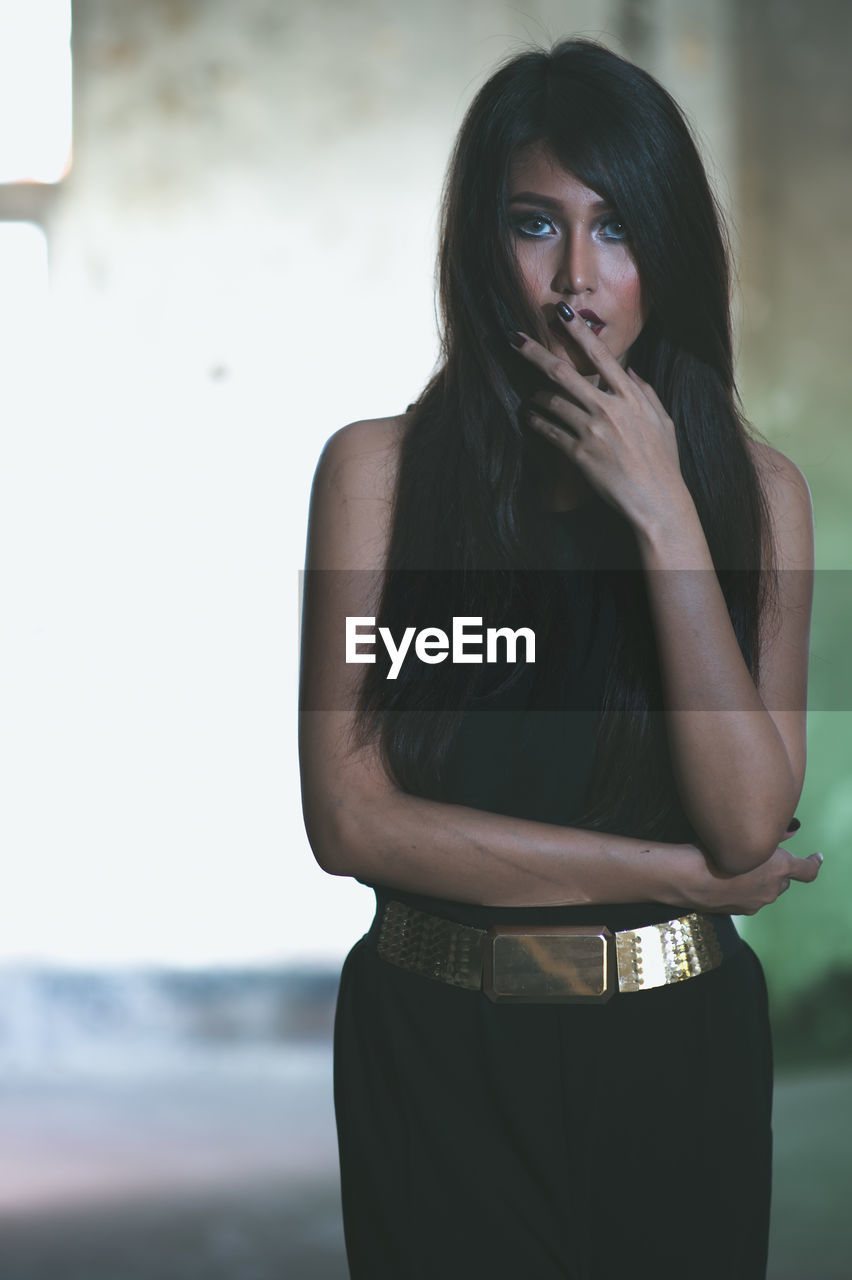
{"x": 618, "y": 434}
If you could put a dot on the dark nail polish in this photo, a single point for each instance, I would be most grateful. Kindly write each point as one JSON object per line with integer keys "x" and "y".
{"x": 793, "y": 824}
{"x": 564, "y": 311}
{"x": 516, "y": 339}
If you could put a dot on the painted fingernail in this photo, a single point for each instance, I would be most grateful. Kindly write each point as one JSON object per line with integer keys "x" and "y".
{"x": 793, "y": 824}
{"x": 564, "y": 311}
{"x": 516, "y": 339}
{"x": 818, "y": 857}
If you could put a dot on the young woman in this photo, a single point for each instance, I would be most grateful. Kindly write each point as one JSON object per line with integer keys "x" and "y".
{"x": 552, "y": 1053}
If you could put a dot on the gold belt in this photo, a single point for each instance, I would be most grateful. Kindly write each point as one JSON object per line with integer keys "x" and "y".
{"x": 553, "y": 964}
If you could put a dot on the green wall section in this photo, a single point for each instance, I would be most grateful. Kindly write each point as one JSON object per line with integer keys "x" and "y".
{"x": 794, "y": 228}
{"x": 806, "y": 935}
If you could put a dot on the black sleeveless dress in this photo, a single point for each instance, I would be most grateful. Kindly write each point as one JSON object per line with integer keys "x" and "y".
{"x": 550, "y": 1142}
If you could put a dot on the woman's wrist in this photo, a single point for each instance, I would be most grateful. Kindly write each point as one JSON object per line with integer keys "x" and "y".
{"x": 670, "y": 535}
{"x": 687, "y": 879}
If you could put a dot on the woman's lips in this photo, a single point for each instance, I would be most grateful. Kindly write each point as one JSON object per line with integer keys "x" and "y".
{"x": 592, "y": 319}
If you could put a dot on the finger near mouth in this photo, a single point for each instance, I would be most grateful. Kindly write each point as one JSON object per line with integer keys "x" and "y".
{"x": 569, "y": 336}
{"x": 569, "y": 350}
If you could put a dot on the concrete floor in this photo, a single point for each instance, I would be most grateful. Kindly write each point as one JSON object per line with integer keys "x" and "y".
{"x": 232, "y": 1177}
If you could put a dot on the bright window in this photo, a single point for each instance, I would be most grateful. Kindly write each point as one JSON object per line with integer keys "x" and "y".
{"x": 35, "y": 90}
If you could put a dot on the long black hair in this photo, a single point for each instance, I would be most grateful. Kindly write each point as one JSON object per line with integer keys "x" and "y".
{"x": 467, "y": 525}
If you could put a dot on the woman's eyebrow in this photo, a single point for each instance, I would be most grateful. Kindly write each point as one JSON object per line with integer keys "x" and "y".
{"x": 549, "y": 202}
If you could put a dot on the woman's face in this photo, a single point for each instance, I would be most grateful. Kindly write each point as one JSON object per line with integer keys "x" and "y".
{"x": 570, "y": 247}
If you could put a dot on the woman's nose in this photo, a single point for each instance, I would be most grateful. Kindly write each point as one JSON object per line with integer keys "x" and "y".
{"x": 577, "y": 269}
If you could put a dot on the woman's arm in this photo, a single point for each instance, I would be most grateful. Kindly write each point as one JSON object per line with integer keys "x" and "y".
{"x": 360, "y": 824}
{"x": 738, "y": 750}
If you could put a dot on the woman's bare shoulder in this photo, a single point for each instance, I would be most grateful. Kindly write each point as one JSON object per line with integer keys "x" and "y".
{"x": 361, "y": 459}
{"x": 789, "y": 500}
{"x": 353, "y": 492}
{"x": 777, "y": 472}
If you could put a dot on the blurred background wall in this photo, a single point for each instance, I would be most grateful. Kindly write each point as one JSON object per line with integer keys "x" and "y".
{"x": 794, "y": 169}
{"x": 239, "y": 260}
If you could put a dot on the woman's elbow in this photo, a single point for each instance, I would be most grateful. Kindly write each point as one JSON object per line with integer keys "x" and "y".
{"x": 338, "y": 833}
{"x": 742, "y": 850}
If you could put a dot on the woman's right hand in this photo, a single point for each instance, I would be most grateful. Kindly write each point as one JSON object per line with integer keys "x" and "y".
{"x": 746, "y": 894}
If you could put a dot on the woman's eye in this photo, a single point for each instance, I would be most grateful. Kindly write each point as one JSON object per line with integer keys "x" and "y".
{"x": 613, "y": 229}
{"x": 534, "y": 224}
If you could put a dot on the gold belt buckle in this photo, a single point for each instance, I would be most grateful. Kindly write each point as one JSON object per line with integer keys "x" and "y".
{"x": 549, "y": 964}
